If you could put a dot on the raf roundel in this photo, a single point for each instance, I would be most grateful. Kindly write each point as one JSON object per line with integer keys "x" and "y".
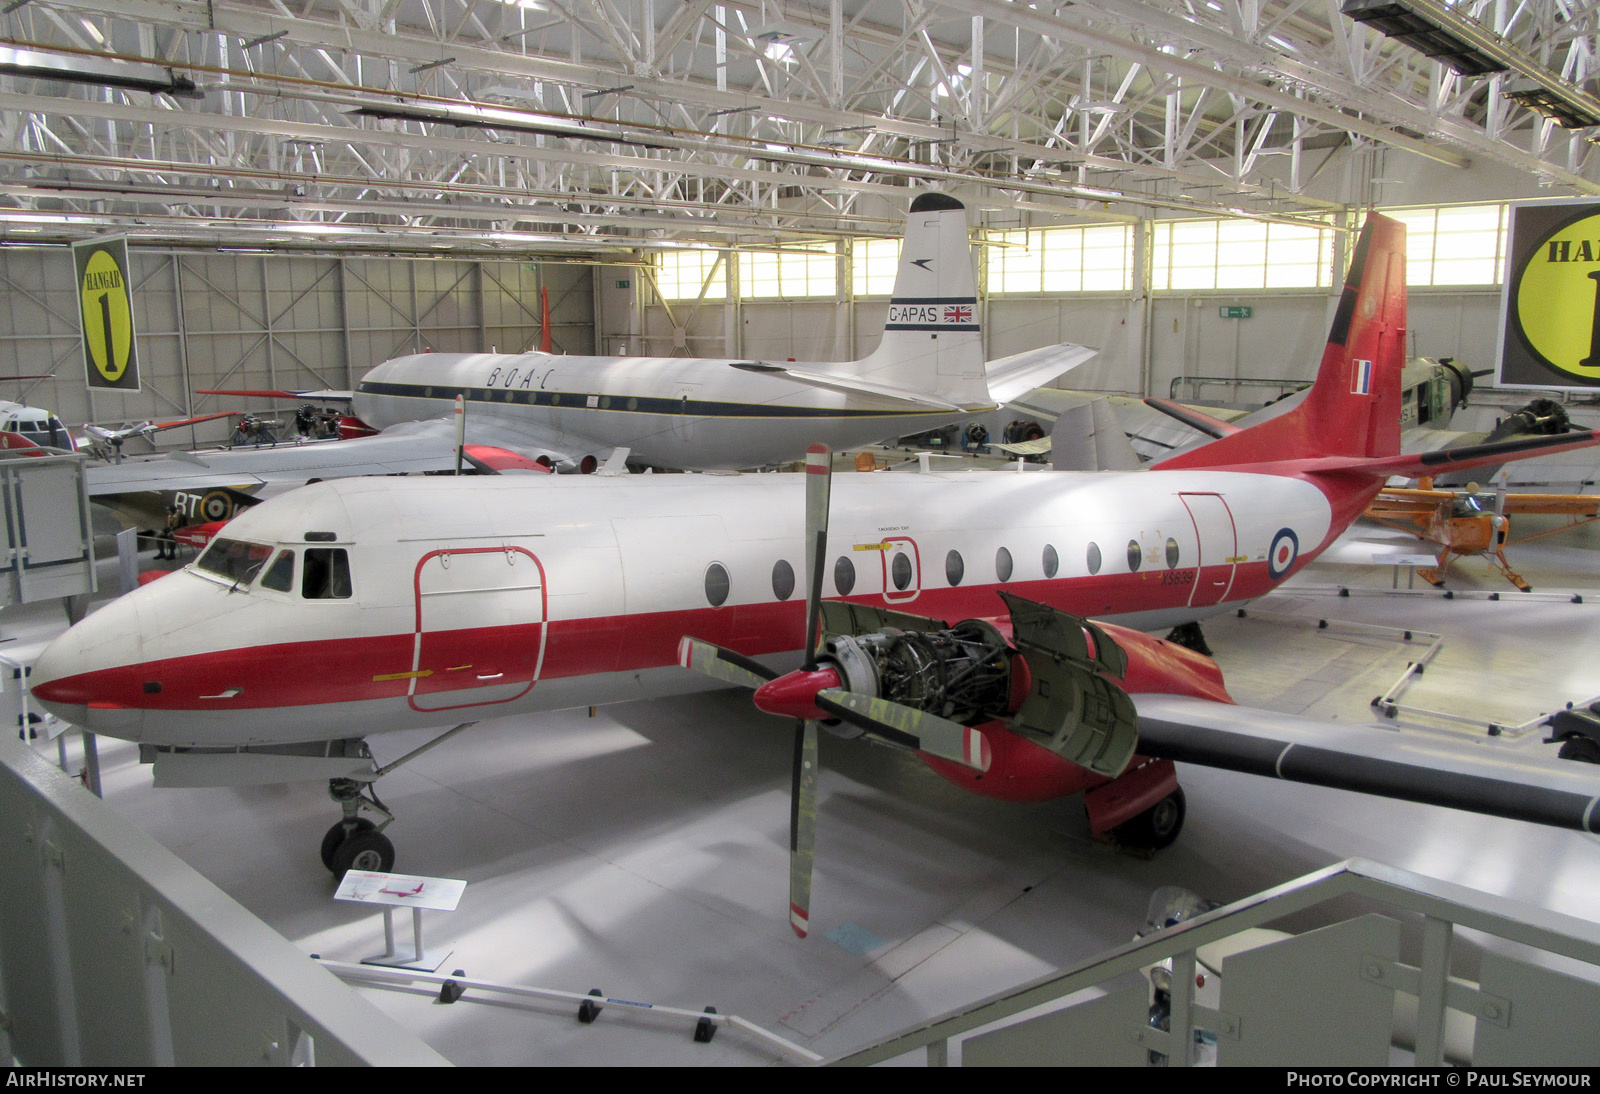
{"x": 1285, "y": 549}
{"x": 216, "y": 505}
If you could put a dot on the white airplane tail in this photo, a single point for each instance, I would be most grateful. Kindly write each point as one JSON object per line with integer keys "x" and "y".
{"x": 931, "y": 356}
{"x": 932, "y": 341}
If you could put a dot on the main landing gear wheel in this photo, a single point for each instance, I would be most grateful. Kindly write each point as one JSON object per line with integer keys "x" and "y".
{"x": 365, "y": 851}
{"x": 338, "y": 834}
{"x": 1156, "y": 827}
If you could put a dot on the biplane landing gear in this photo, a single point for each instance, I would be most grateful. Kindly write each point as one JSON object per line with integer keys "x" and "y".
{"x": 356, "y": 843}
{"x": 1155, "y": 828}
{"x": 1497, "y": 560}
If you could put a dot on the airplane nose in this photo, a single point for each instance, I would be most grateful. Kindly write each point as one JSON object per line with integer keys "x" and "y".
{"x": 84, "y": 677}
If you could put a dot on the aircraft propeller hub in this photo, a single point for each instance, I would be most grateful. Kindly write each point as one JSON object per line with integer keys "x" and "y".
{"x": 794, "y": 695}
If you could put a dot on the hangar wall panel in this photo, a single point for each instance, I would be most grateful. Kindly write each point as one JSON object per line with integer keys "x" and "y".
{"x": 1282, "y": 339}
{"x": 272, "y": 321}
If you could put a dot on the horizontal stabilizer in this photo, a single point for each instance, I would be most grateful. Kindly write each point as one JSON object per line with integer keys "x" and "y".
{"x": 1499, "y": 782}
{"x": 1407, "y": 501}
{"x": 1015, "y": 376}
{"x": 1193, "y": 418}
{"x": 1458, "y": 459}
{"x": 849, "y": 385}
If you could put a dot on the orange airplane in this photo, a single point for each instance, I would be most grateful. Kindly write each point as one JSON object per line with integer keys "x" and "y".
{"x": 1471, "y": 522}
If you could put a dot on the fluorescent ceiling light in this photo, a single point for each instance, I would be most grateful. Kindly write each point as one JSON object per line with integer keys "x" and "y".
{"x": 314, "y": 228}
{"x": 40, "y": 218}
{"x": 1432, "y": 30}
{"x": 1568, "y": 112}
{"x": 1469, "y": 47}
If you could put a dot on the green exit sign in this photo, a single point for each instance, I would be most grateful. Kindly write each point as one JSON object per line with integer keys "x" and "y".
{"x": 1234, "y": 312}
{"x": 624, "y": 285}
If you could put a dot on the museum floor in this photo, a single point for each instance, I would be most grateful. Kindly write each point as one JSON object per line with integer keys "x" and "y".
{"x": 643, "y": 850}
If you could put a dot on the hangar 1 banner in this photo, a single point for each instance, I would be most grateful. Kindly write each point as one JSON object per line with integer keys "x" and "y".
{"x": 105, "y": 308}
{"x": 1550, "y": 300}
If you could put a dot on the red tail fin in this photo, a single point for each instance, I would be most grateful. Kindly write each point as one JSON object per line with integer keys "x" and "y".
{"x": 544, "y": 319}
{"x": 1353, "y": 409}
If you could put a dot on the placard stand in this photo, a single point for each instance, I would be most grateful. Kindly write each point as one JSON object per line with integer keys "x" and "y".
{"x": 403, "y": 890}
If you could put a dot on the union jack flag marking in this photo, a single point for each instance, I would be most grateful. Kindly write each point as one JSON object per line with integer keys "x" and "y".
{"x": 959, "y": 313}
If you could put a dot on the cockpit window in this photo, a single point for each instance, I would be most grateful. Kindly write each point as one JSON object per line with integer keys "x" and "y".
{"x": 234, "y": 559}
{"x": 280, "y": 575}
{"x": 325, "y": 574}
{"x": 50, "y": 433}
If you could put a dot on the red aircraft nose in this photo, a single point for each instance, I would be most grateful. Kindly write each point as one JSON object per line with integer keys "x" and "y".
{"x": 795, "y": 694}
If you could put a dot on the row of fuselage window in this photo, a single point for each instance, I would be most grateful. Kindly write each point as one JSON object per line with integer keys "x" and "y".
{"x": 902, "y": 572}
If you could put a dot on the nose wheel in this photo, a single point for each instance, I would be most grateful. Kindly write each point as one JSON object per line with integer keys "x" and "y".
{"x": 357, "y": 843}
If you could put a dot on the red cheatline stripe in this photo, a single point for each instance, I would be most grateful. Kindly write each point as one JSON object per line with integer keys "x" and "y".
{"x": 342, "y": 669}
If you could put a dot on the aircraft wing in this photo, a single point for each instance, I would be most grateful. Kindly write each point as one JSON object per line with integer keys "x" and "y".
{"x": 320, "y": 395}
{"x": 1152, "y": 433}
{"x": 1487, "y": 775}
{"x": 1085, "y": 437}
{"x": 411, "y": 448}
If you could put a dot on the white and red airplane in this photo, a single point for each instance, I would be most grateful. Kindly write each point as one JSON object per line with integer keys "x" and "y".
{"x": 354, "y": 607}
{"x": 710, "y": 414}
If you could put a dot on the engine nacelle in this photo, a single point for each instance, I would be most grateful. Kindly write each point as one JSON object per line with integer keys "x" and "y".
{"x": 350, "y": 427}
{"x": 1019, "y": 770}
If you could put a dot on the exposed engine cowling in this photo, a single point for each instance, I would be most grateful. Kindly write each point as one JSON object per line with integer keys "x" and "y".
{"x": 1541, "y": 417}
{"x": 1461, "y": 381}
{"x": 1050, "y": 701}
{"x": 1050, "y": 683}
{"x": 959, "y": 673}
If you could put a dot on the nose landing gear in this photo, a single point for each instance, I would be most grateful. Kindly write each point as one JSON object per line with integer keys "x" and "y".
{"x": 356, "y": 843}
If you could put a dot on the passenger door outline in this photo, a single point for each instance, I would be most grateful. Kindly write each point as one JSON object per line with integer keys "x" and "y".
{"x": 483, "y": 661}
{"x": 1217, "y": 545}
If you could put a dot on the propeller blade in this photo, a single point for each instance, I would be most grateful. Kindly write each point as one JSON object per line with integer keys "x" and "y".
{"x": 461, "y": 431}
{"x": 802, "y": 825}
{"x": 720, "y": 664}
{"x": 819, "y": 484}
{"x": 909, "y": 727}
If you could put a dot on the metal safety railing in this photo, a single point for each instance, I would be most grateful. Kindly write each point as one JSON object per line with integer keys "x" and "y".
{"x": 1522, "y": 1011}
